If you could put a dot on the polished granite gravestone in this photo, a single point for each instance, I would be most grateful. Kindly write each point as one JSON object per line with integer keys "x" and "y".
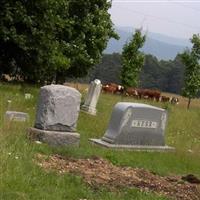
{"x": 92, "y": 97}
{"x": 57, "y": 115}
{"x": 136, "y": 126}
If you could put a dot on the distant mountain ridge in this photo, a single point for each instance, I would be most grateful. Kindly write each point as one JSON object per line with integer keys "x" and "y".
{"x": 162, "y": 46}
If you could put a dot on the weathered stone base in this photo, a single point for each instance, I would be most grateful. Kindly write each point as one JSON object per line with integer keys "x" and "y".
{"x": 132, "y": 147}
{"x": 89, "y": 110}
{"x": 54, "y": 138}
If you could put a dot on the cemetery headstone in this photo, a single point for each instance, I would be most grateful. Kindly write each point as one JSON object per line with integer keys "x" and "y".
{"x": 16, "y": 116}
{"x": 57, "y": 115}
{"x": 92, "y": 97}
{"x": 136, "y": 126}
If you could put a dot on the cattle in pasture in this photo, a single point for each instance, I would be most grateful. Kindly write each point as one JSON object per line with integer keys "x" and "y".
{"x": 174, "y": 100}
{"x": 113, "y": 88}
{"x": 139, "y": 93}
{"x": 108, "y": 89}
{"x": 164, "y": 99}
{"x": 149, "y": 94}
{"x": 131, "y": 92}
{"x": 153, "y": 94}
{"x": 143, "y": 93}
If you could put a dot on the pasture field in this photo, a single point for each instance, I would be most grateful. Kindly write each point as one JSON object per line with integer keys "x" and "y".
{"x": 22, "y": 179}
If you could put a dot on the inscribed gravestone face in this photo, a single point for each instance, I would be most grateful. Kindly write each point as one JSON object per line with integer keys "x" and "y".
{"x": 57, "y": 114}
{"x": 136, "y": 126}
{"x": 92, "y": 97}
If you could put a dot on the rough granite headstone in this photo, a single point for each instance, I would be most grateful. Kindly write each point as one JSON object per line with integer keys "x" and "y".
{"x": 57, "y": 115}
{"x": 92, "y": 97}
{"x": 136, "y": 126}
{"x": 16, "y": 116}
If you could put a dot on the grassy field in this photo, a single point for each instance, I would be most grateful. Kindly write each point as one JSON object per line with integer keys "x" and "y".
{"x": 21, "y": 178}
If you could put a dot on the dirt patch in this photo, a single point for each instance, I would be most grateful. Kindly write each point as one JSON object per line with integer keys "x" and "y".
{"x": 100, "y": 172}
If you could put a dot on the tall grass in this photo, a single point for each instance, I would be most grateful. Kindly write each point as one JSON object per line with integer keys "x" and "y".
{"x": 21, "y": 178}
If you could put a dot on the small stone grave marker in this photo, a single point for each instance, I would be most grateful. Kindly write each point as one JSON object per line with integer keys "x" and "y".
{"x": 16, "y": 116}
{"x": 92, "y": 97}
{"x": 57, "y": 115}
{"x": 136, "y": 126}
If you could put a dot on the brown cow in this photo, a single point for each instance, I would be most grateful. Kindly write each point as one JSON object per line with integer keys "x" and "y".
{"x": 108, "y": 89}
{"x": 153, "y": 94}
{"x": 113, "y": 88}
{"x": 174, "y": 100}
{"x": 164, "y": 99}
{"x": 131, "y": 92}
{"x": 149, "y": 94}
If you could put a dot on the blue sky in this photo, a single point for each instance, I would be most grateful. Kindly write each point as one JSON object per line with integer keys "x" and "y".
{"x": 176, "y": 18}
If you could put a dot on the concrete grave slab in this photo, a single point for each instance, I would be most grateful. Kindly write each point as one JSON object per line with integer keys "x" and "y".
{"x": 135, "y": 126}
{"x": 16, "y": 116}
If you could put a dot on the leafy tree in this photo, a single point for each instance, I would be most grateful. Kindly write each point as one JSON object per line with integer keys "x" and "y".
{"x": 191, "y": 60}
{"x": 132, "y": 60}
{"x": 151, "y": 73}
{"x": 45, "y": 39}
{"x": 92, "y": 28}
{"x": 108, "y": 70}
{"x": 174, "y": 75}
{"x": 28, "y": 42}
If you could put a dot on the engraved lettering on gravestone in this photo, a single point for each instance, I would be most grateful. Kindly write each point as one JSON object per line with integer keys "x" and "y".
{"x": 147, "y": 123}
{"x": 15, "y": 118}
{"x": 144, "y": 124}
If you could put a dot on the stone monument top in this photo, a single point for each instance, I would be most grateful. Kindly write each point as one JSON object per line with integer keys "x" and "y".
{"x": 58, "y": 108}
{"x": 97, "y": 81}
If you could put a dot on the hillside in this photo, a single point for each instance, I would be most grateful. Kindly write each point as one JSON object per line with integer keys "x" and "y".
{"x": 24, "y": 176}
{"x": 161, "y": 46}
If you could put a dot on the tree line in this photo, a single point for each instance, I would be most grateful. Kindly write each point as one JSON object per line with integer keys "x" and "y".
{"x": 166, "y": 76}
